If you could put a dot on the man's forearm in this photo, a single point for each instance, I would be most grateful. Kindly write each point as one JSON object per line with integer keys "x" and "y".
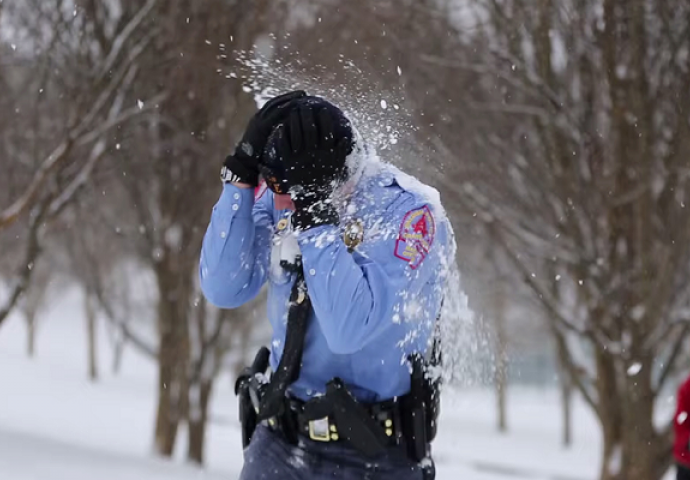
{"x": 232, "y": 254}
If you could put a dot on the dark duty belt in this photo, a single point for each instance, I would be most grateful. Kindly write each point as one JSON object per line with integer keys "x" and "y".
{"x": 338, "y": 417}
{"x": 326, "y": 429}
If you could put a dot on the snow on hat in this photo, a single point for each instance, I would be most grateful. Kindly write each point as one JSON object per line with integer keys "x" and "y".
{"x": 272, "y": 167}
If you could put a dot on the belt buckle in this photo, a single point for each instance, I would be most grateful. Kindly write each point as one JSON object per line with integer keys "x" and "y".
{"x": 320, "y": 430}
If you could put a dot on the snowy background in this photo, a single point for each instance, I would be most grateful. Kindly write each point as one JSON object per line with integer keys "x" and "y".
{"x": 558, "y": 136}
{"x": 55, "y": 424}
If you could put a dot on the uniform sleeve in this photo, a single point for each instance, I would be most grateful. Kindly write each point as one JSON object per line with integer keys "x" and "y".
{"x": 236, "y": 247}
{"x": 357, "y": 297}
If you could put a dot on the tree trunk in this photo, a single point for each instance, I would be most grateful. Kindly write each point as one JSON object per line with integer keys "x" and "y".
{"x": 90, "y": 310}
{"x": 639, "y": 434}
{"x": 609, "y": 416}
{"x": 31, "y": 334}
{"x": 174, "y": 286}
{"x": 167, "y": 417}
{"x": 198, "y": 415}
{"x": 241, "y": 325}
{"x": 500, "y": 367}
{"x": 566, "y": 391}
{"x": 626, "y": 416}
{"x": 566, "y": 410}
{"x": 166, "y": 425}
{"x": 118, "y": 350}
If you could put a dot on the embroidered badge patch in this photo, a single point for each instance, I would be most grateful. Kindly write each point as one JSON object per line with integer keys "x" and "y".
{"x": 416, "y": 236}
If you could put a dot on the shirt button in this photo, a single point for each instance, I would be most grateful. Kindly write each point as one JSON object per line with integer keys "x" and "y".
{"x": 236, "y": 196}
{"x": 235, "y": 207}
{"x": 312, "y": 272}
{"x": 222, "y": 234}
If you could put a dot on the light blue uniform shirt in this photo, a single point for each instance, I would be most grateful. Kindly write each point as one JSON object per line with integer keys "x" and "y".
{"x": 371, "y": 307}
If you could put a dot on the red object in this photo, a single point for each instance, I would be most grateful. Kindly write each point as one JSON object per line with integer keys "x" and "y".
{"x": 421, "y": 228}
{"x": 681, "y": 423}
{"x": 260, "y": 190}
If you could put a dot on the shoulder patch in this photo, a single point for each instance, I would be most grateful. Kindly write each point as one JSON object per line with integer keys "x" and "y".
{"x": 260, "y": 190}
{"x": 416, "y": 236}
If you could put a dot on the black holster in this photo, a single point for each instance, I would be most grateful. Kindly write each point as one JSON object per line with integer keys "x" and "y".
{"x": 247, "y": 388}
{"x": 421, "y": 407}
{"x": 354, "y": 422}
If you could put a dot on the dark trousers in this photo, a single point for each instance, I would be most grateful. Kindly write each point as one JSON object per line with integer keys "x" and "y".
{"x": 270, "y": 457}
{"x": 682, "y": 473}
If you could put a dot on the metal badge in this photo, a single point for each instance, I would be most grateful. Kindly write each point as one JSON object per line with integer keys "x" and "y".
{"x": 282, "y": 224}
{"x": 353, "y": 234}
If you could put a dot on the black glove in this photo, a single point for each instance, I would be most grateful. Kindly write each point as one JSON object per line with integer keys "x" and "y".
{"x": 243, "y": 164}
{"x": 314, "y": 161}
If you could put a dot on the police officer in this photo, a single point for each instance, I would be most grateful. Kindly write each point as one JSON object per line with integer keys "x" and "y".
{"x": 355, "y": 254}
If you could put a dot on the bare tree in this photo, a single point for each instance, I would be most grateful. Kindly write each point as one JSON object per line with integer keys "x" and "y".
{"x": 214, "y": 333}
{"x": 577, "y": 168}
{"x": 170, "y": 172}
{"x": 562, "y": 127}
{"x": 34, "y": 301}
{"x": 82, "y": 105}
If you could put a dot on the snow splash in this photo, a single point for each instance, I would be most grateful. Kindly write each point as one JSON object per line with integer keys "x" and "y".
{"x": 382, "y": 120}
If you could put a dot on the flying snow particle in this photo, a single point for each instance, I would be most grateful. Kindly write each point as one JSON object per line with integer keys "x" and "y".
{"x": 682, "y": 416}
{"x": 384, "y": 105}
{"x": 637, "y": 312}
{"x": 140, "y": 104}
{"x": 399, "y": 70}
{"x": 634, "y": 369}
{"x": 14, "y": 47}
{"x": 117, "y": 146}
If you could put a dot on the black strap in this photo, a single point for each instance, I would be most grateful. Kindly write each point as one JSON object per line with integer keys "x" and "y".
{"x": 273, "y": 399}
{"x": 436, "y": 357}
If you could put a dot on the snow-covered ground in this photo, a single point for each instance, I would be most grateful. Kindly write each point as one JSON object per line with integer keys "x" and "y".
{"x": 56, "y": 425}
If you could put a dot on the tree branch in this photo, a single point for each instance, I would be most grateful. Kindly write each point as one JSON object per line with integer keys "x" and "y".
{"x": 32, "y": 252}
{"x": 574, "y": 370}
{"x": 28, "y": 198}
{"x": 676, "y": 350}
{"x": 545, "y": 297}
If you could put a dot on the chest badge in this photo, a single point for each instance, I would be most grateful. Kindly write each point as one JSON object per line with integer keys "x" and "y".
{"x": 353, "y": 234}
{"x": 282, "y": 224}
